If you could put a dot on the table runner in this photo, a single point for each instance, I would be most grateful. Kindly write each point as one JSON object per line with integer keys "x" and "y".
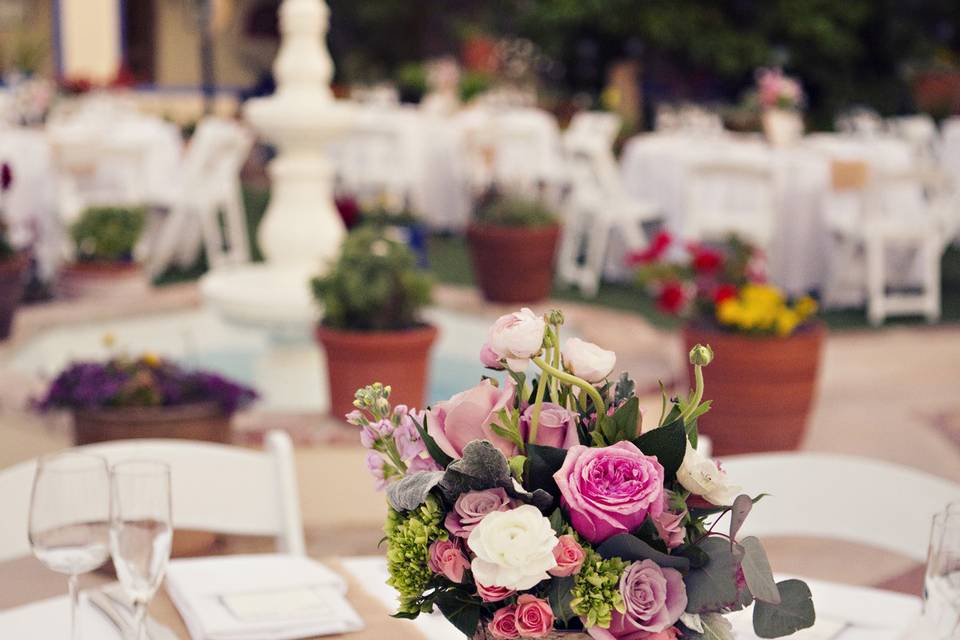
{"x": 26, "y": 580}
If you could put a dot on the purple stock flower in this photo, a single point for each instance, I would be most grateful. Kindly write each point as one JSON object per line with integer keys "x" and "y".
{"x": 375, "y": 465}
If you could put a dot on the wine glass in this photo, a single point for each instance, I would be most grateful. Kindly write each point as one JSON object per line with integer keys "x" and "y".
{"x": 140, "y": 530}
{"x": 941, "y": 586}
{"x": 70, "y": 518}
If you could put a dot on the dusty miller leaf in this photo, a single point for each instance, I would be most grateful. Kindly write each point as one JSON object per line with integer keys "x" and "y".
{"x": 411, "y": 491}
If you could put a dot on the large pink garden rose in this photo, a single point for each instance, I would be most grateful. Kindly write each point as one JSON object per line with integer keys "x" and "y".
{"x": 654, "y": 598}
{"x": 467, "y": 416}
{"x": 610, "y": 490}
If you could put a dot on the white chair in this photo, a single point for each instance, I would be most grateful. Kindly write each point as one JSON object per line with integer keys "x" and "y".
{"x": 886, "y": 244}
{"x": 209, "y": 186}
{"x": 600, "y": 125}
{"x": 841, "y": 497}
{"x": 528, "y": 156}
{"x": 376, "y": 162}
{"x": 602, "y": 221}
{"x": 921, "y": 132}
{"x": 730, "y": 197}
{"x": 217, "y": 488}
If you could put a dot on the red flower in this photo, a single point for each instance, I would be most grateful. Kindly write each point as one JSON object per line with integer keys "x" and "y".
{"x": 706, "y": 261}
{"x": 6, "y": 177}
{"x": 658, "y": 246}
{"x": 349, "y": 210}
{"x": 672, "y": 298}
{"x": 724, "y": 292}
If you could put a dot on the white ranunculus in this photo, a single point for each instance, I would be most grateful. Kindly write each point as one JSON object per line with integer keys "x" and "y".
{"x": 514, "y": 549}
{"x": 701, "y": 476}
{"x": 517, "y": 337}
{"x": 588, "y": 361}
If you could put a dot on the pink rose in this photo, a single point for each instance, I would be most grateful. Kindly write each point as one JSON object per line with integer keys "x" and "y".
{"x": 447, "y": 559}
{"x": 557, "y": 426}
{"x": 517, "y": 337}
{"x": 504, "y": 623}
{"x": 489, "y": 358}
{"x": 669, "y": 526}
{"x": 534, "y": 617}
{"x": 467, "y": 416}
{"x": 655, "y": 597}
{"x": 472, "y": 506}
{"x": 569, "y": 555}
{"x": 610, "y": 490}
{"x": 493, "y": 594}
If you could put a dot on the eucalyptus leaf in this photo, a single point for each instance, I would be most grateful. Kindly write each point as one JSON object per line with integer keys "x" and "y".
{"x": 439, "y": 455}
{"x": 716, "y": 627}
{"x": 795, "y": 611}
{"x": 742, "y": 505}
{"x": 757, "y": 572}
{"x": 411, "y": 491}
{"x": 559, "y": 593}
{"x": 714, "y": 585}
{"x": 463, "y": 612}
{"x": 668, "y": 443}
{"x": 631, "y": 548}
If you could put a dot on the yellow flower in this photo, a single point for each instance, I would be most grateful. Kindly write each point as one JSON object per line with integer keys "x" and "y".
{"x": 729, "y": 312}
{"x": 787, "y": 321}
{"x": 805, "y": 307}
{"x": 151, "y": 359}
{"x": 109, "y": 340}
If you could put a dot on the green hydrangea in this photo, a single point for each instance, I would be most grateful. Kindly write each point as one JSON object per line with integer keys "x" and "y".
{"x": 409, "y": 536}
{"x": 596, "y": 590}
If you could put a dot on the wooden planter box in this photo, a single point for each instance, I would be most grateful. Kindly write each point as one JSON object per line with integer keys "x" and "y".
{"x": 13, "y": 274}
{"x": 762, "y": 387}
{"x": 513, "y": 264}
{"x": 358, "y": 358}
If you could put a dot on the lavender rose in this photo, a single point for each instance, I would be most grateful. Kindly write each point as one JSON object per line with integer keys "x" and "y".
{"x": 557, "y": 426}
{"x": 654, "y": 597}
{"x": 610, "y": 490}
{"x": 447, "y": 559}
{"x": 472, "y": 506}
{"x": 467, "y": 416}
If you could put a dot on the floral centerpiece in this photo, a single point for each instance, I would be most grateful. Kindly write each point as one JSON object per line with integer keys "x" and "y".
{"x": 145, "y": 397}
{"x": 759, "y": 333}
{"x": 781, "y": 99}
{"x": 547, "y": 505}
{"x": 14, "y": 264}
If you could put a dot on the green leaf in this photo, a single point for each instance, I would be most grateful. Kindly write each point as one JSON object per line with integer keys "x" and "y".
{"x": 544, "y": 462}
{"x": 668, "y": 443}
{"x": 757, "y": 572}
{"x": 714, "y": 586}
{"x": 697, "y": 556}
{"x": 742, "y": 505}
{"x": 631, "y": 548}
{"x": 559, "y": 593}
{"x": 462, "y": 611}
{"x": 508, "y": 434}
{"x": 411, "y": 491}
{"x": 625, "y": 420}
{"x": 438, "y": 454}
{"x": 795, "y": 611}
{"x": 517, "y": 464}
{"x": 556, "y": 521}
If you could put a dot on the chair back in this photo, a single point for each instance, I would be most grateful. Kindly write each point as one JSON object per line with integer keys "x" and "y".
{"x": 840, "y": 497}
{"x": 218, "y": 488}
{"x": 601, "y": 125}
{"x": 730, "y": 197}
{"x": 527, "y": 151}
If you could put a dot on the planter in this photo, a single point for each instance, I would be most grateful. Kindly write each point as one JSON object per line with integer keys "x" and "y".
{"x": 762, "y": 387}
{"x": 102, "y": 280}
{"x": 196, "y": 421}
{"x": 13, "y": 276}
{"x": 513, "y": 264}
{"x": 358, "y": 358}
{"x": 782, "y": 127}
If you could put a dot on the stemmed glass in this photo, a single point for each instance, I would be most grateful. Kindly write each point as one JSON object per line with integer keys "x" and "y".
{"x": 69, "y": 518}
{"x": 140, "y": 531}
{"x": 941, "y": 587}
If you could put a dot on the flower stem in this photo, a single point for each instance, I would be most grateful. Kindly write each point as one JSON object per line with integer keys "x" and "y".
{"x": 697, "y": 393}
{"x": 572, "y": 379}
{"x": 537, "y": 405}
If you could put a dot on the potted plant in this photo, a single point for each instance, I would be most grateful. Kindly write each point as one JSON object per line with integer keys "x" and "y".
{"x": 412, "y": 82}
{"x": 145, "y": 397}
{"x": 512, "y": 243}
{"x": 13, "y": 264}
{"x": 548, "y": 506}
{"x": 768, "y": 349}
{"x": 104, "y": 240}
{"x": 371, "y": 328}
{"x": 400, "y": 224}
{"x": 780, "y": 98}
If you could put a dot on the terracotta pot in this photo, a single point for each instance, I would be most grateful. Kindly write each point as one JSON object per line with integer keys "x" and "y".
{"x": 102, "y": 280}
{"x": 762, "y": 387}
{"x": 196, "y": 421}
{"x": 513, "y": 264}
{"x": 13, "y": 275}
{"x": 358, "y": 358}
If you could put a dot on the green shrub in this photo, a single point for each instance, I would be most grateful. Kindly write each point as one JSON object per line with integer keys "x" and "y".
{"x": 375, "y": 285}
{"x": 108, "y": 234}
{"x": 514, "y": 211}
{"x": 473, "y": 83}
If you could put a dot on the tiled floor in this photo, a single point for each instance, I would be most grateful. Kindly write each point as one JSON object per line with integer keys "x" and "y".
{"x": 889, "y": 394}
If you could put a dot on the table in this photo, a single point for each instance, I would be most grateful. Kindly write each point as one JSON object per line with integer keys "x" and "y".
{"x": 873, "y": 614}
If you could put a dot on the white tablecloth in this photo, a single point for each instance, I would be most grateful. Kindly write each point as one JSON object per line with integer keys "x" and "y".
{"x": 655, "y": 168}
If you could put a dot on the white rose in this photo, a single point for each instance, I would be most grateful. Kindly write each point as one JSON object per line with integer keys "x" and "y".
{"x": 514, "y": 548}
{"x": 701, "y": 476}
{"x": 517, "y": 337}
{"x": 588, "y": 361}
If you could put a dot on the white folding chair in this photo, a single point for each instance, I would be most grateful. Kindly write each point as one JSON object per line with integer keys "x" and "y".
{"x": 600, "y": 125}
{"x": 215, "y": 487}
{"x": 730, "y": 197}
{"x": 528, "y": 156}
{"x": 210, "y": 186}
{"x": 841, "y": 497}
{"x": 376, "y": 163}
{"x": 602, "y": 221}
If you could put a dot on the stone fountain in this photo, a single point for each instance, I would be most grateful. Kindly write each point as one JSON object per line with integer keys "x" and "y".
{"x": 301, "y": 231}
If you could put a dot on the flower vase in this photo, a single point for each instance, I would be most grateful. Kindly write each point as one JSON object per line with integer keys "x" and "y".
{"x": 782, "y": 127}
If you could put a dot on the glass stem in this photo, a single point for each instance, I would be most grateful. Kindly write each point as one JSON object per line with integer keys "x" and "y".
{"x": 74, "y": 590}
{"x": 140, "y": 620}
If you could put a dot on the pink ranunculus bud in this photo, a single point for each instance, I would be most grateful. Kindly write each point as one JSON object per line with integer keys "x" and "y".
{"x": 489, "y": 358}
{"x": 517, "y": 337}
